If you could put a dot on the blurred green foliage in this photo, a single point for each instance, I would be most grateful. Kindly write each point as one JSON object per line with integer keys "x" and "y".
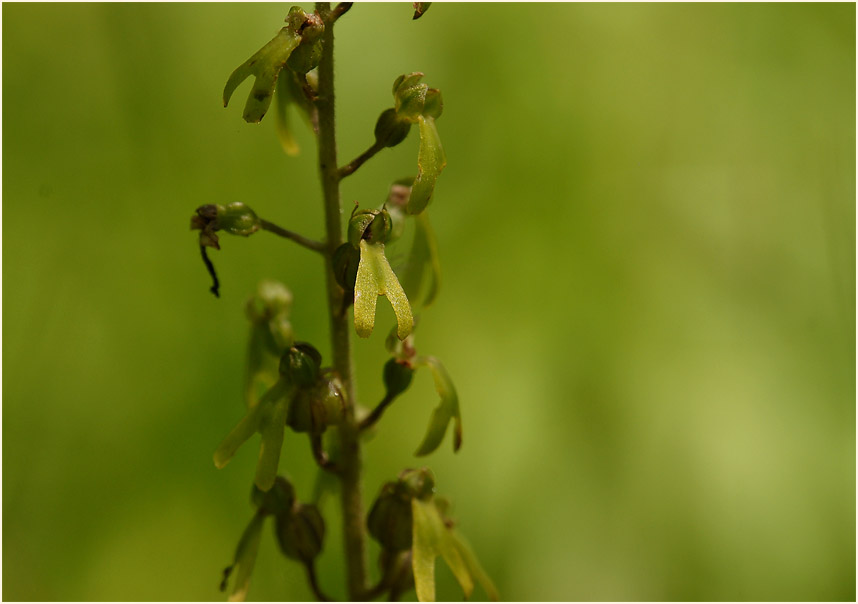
{"x": 647, "y": 230}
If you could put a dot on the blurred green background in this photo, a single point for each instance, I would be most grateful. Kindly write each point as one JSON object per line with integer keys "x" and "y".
{"x": 647, "y": 228}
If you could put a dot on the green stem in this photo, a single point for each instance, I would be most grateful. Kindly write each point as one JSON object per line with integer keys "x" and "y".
{"x": 357, "y": 162}
{"x": 310, "y": 244}
{"x": 349, "y": 463}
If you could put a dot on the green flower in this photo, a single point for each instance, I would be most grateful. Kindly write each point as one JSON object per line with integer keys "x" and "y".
{"x": 267, "y": 63}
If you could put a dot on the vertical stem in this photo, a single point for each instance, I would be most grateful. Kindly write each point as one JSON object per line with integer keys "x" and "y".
{"x": 350, "y": 454}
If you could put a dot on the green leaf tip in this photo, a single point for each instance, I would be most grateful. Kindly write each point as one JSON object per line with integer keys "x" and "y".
{"x": 376, "y": 278}
{"x": 420, "y": 9}
{"x": 447, "y": 409}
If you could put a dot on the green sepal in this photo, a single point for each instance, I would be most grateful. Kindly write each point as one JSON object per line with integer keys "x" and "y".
{"x": 358, "y": 224}
{"x": 423, "y": 255}
{"x": 430, "y": 162}
{"x": 409, "y": 96}
{"x": 245, "y": 559}
{"x": 376, "y": 278}
{"x": 433, "y": 106}
{"x": 266, "y": 65}
{"x": 447, "y": 409}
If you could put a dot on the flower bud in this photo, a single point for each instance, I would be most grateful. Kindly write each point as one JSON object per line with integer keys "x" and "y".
{"x": 397, "y": 377}
{"x": 301, "y": 532}
{"x": 271, "y": 299}
{"x": 389, "y": 520}
{"x": 300, "y": 364}
{"x": 278, "y": 498}
{"x": 314, "y": 409}
{"x": 390, "y": 130}
{"x": 237, "y": 218}
{"x": 345, "y": 262}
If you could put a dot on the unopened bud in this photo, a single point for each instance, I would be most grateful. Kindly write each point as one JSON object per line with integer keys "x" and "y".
{"x": 390, "y": 130}
{"x": 397, "y": 377}
{"x": 300, "y": 364}
{"x": 301, "y": 532}
{"x": 314, "y": 409}
{"x": 345, "y": 263}
{"x": 271, "y": 299}
{"x": 390, "y": 518}
{"x": 237, "y": 218}
{"x": 278, "y": 498}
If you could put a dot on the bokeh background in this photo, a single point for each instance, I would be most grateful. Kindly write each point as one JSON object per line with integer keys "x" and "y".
{"x": 647, "y": 230}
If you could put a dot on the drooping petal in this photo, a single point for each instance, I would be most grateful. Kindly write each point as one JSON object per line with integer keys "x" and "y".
{"x": 245, "y": 559}
{"x": 430, "y": 161}
{"x": 474, "y": 567}
{"x": 265, "y": 64}
{"x": 249, "y": 425}
{"x": 424, "y": 550}
{"x": 432, "y": 538}
{"x": 376, "y": 278}
{"x": 272, "y": 425}
{"x": 423, "y": 255}
{"x": 447, "y": 409}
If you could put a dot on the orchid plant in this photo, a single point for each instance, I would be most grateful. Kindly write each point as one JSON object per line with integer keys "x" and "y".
{"x": 288, "y": 385}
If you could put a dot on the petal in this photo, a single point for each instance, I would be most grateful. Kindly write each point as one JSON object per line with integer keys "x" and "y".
{"x": 424, "y": 550}
{"x": 265, "y": 64}
{"x": 366, "y": 292}
{"x": 245, "y": 558}
{"x": 430, "y": 161}
{"x": 376, "y": 278}
{"x": 446, "y": 410}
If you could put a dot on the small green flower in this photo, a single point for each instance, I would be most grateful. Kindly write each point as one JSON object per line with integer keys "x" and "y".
{"x": 269, "y": 60}
{"x": 304, "y": 398}
{"x": 407, "y": 515}
{"x": 368, "y": 230}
